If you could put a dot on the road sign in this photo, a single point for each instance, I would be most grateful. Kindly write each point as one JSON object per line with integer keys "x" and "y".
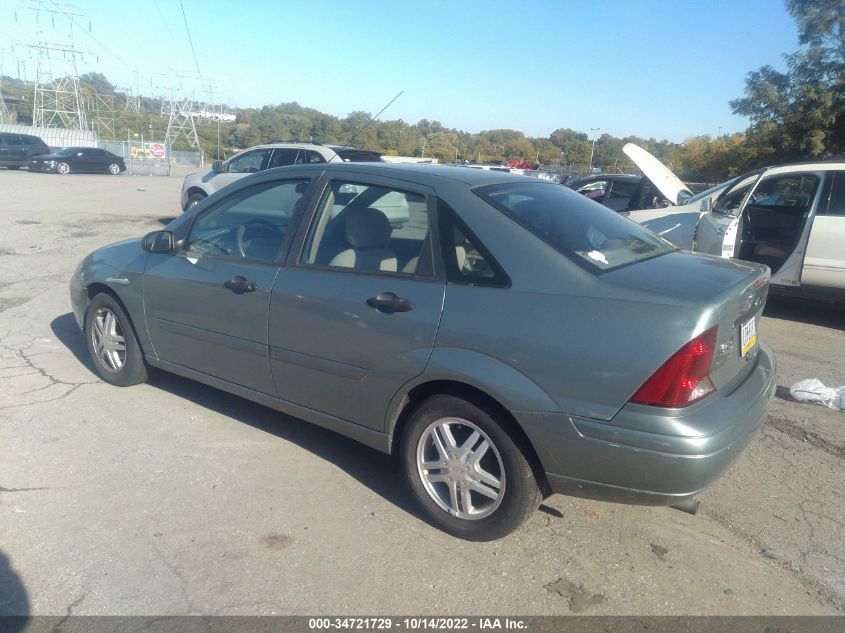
{"x": 157, "y": 150}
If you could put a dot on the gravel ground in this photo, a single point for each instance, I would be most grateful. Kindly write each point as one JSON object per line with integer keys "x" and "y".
{"x": 174, "y": 498}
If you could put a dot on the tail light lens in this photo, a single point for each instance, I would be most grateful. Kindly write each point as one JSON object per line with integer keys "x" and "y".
{"x": 684, "y": 378}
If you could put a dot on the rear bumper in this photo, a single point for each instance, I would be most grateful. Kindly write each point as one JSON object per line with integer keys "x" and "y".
{"x": 652, "y": 456}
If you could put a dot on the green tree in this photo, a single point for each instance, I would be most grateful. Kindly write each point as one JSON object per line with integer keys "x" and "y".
{"x": 801, "y": 111}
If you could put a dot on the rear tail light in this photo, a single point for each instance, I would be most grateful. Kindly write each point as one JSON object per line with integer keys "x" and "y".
{"x": 684, "y": 378}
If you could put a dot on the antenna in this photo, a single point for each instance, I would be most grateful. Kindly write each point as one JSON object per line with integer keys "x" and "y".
{"x": 372, "y": 119}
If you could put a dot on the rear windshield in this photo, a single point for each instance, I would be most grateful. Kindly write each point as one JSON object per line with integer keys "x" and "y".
{"x": 586, "y": 232}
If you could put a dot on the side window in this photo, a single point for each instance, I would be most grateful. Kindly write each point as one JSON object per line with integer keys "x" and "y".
{"x": 247, "y": 163}
{"x": 250, "y": 224}
{"x": 787, "y": 190}
{"x": 466, "y": 260}
{"x": 730, "y": 201}
{"x": 283, "y": 157}
{"x": 313, "y": 157}
{"x": 622, "y": 189}
{"x": 371, "y": 228}
{"x": 836, "y": 202}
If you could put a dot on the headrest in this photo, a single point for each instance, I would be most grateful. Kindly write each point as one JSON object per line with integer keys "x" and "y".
{"x": 367, "y": 228}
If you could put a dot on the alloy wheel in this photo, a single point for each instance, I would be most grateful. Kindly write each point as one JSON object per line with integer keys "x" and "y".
{"x": 63, "y": 168}
{"x": 108, "y": 340}
{"x": 114, "y": 169}
{"x": 460, "y": 468}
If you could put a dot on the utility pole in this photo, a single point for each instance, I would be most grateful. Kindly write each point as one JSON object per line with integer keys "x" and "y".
{"x": 593, "y": 147}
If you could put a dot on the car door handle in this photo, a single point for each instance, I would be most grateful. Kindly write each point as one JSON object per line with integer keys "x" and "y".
{"x": 240, "y": 285}
{"x": 389, "y": 302}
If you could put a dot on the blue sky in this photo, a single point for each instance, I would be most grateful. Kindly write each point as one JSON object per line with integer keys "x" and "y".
{"x": 662, "y": 68}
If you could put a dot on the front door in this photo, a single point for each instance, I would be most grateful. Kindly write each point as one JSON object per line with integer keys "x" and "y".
{"x": 717, "y": 229}
{"x": 354, "y": 314}
{"x": 207, "y": 305}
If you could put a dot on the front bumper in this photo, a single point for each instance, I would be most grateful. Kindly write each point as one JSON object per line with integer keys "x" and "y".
{"x": 682, "y": 452}
{"x": 43, "y": 167}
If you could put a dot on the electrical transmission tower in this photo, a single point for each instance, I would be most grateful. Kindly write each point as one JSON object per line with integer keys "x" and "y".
{"x": 180, "y": 123}
{"x": 101, "y": 108}
{"x": 57, "y": 102}
{"x": 5, "y": 114}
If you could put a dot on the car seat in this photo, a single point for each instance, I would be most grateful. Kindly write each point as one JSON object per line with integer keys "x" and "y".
{"x": 368, "y": 234}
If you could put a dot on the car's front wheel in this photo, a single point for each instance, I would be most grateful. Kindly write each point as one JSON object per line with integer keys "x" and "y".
{"x": 194, "y": 199}
{"x": 63, "y": 168}
{"x": 112, "y": 343}
{"x": 114, "y": 169}
{"x": 466, "y": 471}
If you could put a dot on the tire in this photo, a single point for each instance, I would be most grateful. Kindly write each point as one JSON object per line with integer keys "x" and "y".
{"x": 122, "y": 367}
{"x": 484, "y": 518}
{"x": 194, "y": 199}
{"x": 114, "y": 169}
{"x": 62, "y": 168}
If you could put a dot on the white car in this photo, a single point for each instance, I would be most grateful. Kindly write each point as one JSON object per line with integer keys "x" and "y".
{"x": 789, "y": 217}
{"x": 200, "y": 185}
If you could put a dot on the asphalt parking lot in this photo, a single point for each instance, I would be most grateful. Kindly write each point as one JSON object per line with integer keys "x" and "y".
{"x": 174, "y": 498}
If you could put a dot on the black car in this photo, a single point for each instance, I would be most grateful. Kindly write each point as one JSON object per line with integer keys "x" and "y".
{"x": 79, "y": 160}
{"x": 620, "y": 192}
{"x": 17, "y": 149}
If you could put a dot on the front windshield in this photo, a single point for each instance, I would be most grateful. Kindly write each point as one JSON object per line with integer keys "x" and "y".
{"x": 709, "y": 192}
{"x": 588, "y": 233}
{"x": 66, "y": 151}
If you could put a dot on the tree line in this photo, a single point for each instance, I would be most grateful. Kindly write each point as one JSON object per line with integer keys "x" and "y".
{"x": 795, "y": 114}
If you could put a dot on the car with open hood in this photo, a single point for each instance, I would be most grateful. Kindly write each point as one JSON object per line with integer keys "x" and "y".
{"x": 789, "y": 217}
{"x": 512, "y": 339}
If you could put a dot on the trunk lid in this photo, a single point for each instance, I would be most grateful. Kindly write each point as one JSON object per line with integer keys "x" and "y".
{"x": 727, "y": 293}
{"x": 667, "y": 182}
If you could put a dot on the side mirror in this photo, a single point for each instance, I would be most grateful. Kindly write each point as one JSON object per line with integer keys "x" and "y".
{"x": 706, "y": 205}
{"x": 217, "y": 167}
{"x": 158, "y": 242}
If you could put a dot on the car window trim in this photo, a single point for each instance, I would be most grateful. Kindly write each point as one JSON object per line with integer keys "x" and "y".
{"x": 281, "y": 255}
{"x": 294, "y": 254}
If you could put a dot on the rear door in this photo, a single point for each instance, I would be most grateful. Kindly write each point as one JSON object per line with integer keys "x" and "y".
{"x": 16, "y": 149}
{"x": 824, "y": 263}
{"x": 354, "y": 313}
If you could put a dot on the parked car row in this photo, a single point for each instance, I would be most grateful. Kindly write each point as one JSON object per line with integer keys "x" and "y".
{"x": 24, "y": 150}
{"x": 508, "y": 340}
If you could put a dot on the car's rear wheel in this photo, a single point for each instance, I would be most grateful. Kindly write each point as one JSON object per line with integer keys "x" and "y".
{"x": 63, "y": 168}
{"x": 112, "y": 343}
{"x": 194, "y": 199}
{"x": 466, "y": 471}
{"x": 114, "y": 169}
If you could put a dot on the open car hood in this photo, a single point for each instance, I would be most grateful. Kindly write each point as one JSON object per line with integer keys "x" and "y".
{"x": 668, "y": 183}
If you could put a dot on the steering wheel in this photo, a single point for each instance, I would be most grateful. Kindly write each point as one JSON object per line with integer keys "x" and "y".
{"x": 252, "y": 229}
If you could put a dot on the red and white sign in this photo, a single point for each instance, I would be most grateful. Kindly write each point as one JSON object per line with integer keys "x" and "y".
{"x": 157, "y": 150}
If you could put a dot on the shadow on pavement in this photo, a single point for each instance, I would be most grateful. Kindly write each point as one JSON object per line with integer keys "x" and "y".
{"x": 14, "y": 600}
{"x": 830, "y": 315}
{"x": 379, "y": 472}
{"x": 68, "y": 333}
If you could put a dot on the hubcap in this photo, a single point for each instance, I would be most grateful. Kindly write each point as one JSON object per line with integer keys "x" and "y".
{"x": 461, "y": 468}
{"x": 63, "y": 168}
{"x": 108, "y": 340}
{"x": 114, "y": 169}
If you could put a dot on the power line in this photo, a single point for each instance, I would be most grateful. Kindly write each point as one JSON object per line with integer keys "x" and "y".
{"x": 190, "y": 41}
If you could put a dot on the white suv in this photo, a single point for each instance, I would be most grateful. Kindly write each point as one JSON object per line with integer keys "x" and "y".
{"x": 200, "y": 185}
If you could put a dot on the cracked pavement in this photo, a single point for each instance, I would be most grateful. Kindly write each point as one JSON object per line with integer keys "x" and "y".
{"x": 172, "y": 498}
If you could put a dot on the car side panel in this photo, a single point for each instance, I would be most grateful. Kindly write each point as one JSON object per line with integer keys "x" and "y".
{"x": 824, "y": 263}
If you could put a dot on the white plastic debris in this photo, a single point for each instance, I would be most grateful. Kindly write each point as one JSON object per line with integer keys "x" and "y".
{"x": 812, "y": 390}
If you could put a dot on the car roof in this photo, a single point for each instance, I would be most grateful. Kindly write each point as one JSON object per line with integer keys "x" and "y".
{"x": 421, "y": 172}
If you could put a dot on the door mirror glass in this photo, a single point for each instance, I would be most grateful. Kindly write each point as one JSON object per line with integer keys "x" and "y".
{"x": 217, "y": 167}
{"x": 158, "y": 242}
